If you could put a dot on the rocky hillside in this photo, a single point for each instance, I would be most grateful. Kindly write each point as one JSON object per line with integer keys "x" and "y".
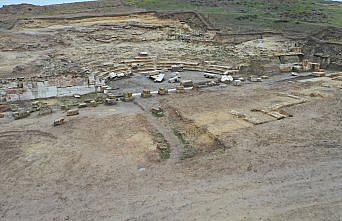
{"x": 266, "y": 11}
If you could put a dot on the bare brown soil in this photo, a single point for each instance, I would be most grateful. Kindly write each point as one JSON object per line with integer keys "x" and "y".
{"x": 90, "y": 168}
{"x": 267, "y": 150}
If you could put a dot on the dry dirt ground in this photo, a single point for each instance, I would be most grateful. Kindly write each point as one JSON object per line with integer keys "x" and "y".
{"x": 228, "y": 160}
{"x": 104, "y": 163}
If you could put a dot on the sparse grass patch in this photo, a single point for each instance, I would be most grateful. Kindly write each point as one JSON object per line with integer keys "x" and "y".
{"x": 188, "y": 150}
{"x": 164, "y": 147}
{"x": 335, "y": 15}
{"x": 165, "y": 153}
{"x": 310, "y": 11}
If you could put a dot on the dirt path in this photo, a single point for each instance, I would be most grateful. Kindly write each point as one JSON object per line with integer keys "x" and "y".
{"x": 169, "y": 136}
{"x": 167, "y": 133}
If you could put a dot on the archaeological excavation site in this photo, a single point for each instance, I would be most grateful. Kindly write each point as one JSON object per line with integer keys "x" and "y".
{"x": 171, "y": 110}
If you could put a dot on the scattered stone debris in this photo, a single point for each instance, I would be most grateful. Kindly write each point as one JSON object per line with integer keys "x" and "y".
{"x": 128, "y": 96}
{"x": 82, "y": 105}
{"x": 227, "y": 79}
{"x": 210, "y": 75}
{"x": 73, "y": 112}
{"x": 35, "y": 106}
{"x": 180, "y": 89}
{"x": 237, "y": 83}
{"x": 116, "y": 76}
{"x": 237, "y": 114}
{"x": 157, "y": 111}
{"x": 162, "y": 91}
{"x": 212, "y": 83}
{"x": 58, "y": 122}
{"x": 174, "y": 79}
{"x": 146, "y": 93}
{"x": 255, "y": 79}
{"x": 141, "y": 169}
{"x": 158, "y": 78}
{"x": 111, "y": 101}
{"x": 21, "y": 114}
{"x": 92, "y": 103}
{"x": 187, "y": 83}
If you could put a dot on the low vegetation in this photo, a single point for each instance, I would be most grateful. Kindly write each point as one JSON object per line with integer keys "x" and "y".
{"x": 188, "y": 150}
{"x": 164, "y": 147}
{"x": 295, "y": 11}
